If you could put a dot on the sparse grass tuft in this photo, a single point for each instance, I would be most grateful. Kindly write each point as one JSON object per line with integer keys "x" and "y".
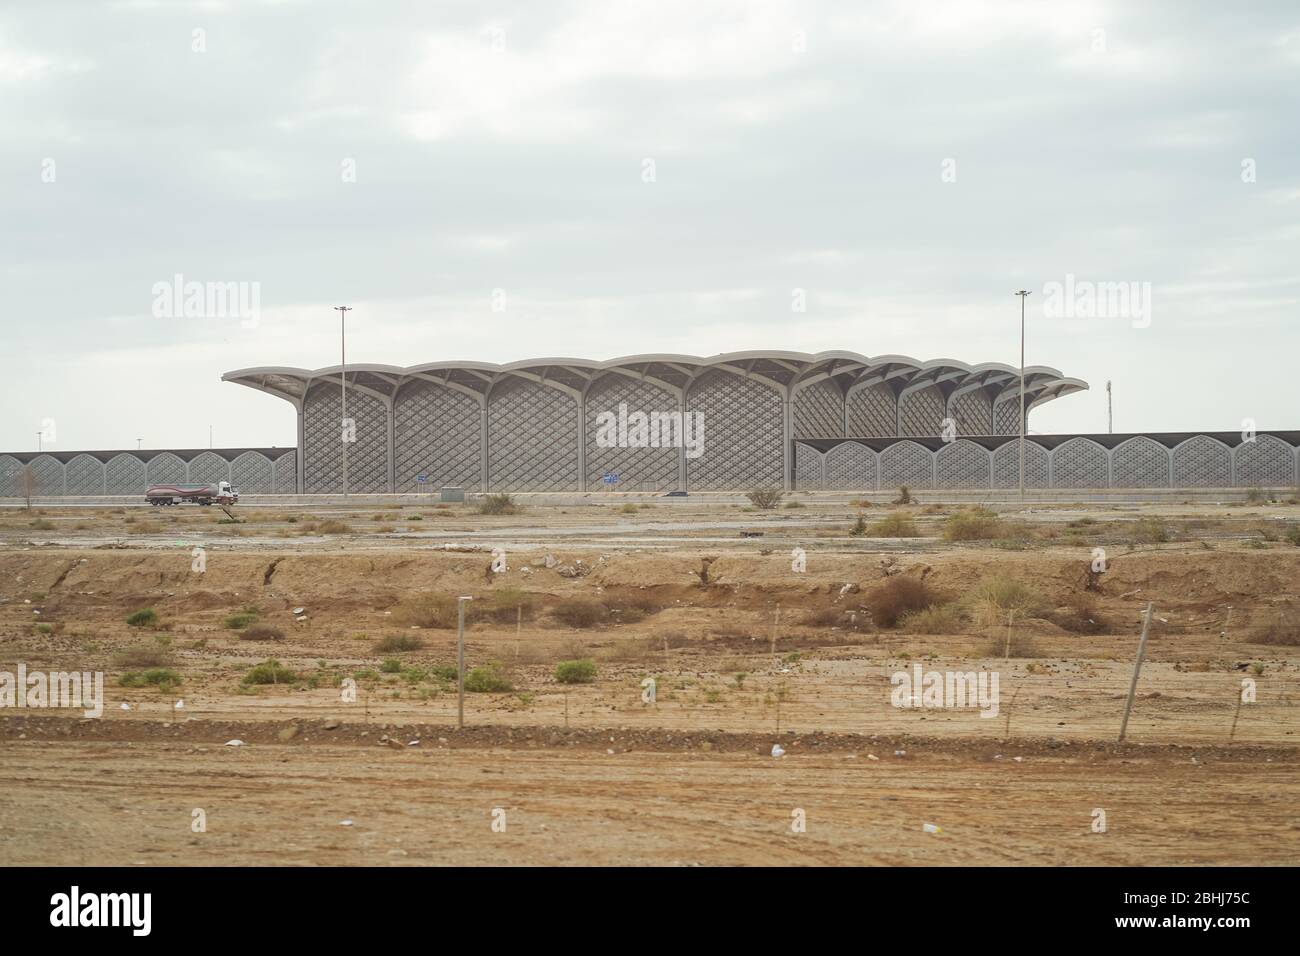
{"x": 935, "y": 619}
{"x": 975, "y": 524}
{"x": 765, "y": 498}
{"x": 141, "y": 657}
{"x": 145, "y": 617}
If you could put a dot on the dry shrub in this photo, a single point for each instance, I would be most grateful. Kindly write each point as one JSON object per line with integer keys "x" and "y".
{"x": 579, "y": 612}
{"x": 975, "y": 524}
{"x": 1021, "y": 645}
{"x": 504, "y": 606}
{"x": 899, "y": 596}
{"x": 848, "y": 619}
{"x": 395, "y": 643}
{"x": 899, "y": 524}
{"x": 1079, "y": 616}
{"x": 142, "y": 656}
{"x": 430, "y": 610}
{"x": 994, "y": 598}
{"x": 334, "y": 527}
{"x": 261, "y": 632}
{"x": 935, "y": 619}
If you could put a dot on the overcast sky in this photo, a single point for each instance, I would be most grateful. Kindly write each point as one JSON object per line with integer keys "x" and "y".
{"x": 908, "y": 166}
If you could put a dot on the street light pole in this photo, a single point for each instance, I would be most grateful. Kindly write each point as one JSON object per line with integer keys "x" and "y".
{"x": 1022, "y": 293}
{"x": 343, "y": 311}
{"x": 38, "y": 441}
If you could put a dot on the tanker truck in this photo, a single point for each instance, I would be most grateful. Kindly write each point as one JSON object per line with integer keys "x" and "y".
{"x": 218, "y": 491}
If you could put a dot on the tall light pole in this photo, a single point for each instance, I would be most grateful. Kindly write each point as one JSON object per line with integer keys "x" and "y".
{"x": 343, "y": 311}
{"x": 39, "y": 436}
{"x": 1022, "y": 293}
{"x": 1110, "y": 415}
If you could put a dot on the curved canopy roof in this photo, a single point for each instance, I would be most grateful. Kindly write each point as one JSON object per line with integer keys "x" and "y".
{"x": 785, "y": 371}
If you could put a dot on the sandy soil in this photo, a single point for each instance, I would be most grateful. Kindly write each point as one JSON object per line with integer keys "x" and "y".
{"x": 760, "y": 655}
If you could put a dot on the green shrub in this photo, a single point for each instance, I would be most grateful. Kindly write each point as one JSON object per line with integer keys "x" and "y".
{"x": 239, "y": 620}
{"x": 487, "y": 679}
{"x": 44, "y": 628}
{"x": 575, "y": 672}
{"x": 160, "y": 677}
{"x": 145, "y": 617}
{"x": 391, "y": 666}
{"x": 269, "y": 672}
{"x": 445, "y": 672}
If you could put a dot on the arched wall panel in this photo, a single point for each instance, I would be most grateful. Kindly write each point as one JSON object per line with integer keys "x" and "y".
{"x": 252, "y": 474}
{"x": 532, "y": 438}
{"x": 920, "y": 413}
{"x": 963, "y": 464}
{"x": 851, "y": 467}
{"x": 1202, "y": 462}
{"x": 126, "y": 475}
{"x": 323, "y": 441}
{"x": 438, "y": 433}
{"x": 1080, "y": 463}
{"x": 10, "y": 468}
{"x": 809, "y": 468}
{"x": 1139, "y": 463}
{"x": 167, "y": 469}
{"x": 744, "y": 433}
{"x": 906, "y": 463}
{"x": 208, "y": 467}
{"x": 639, "y": 465}
{"x": 1006, "y": 465}
{"x": 873, "y": 412}
{"x": 85, "y": 475}
{"x": 286, "y": 474}
{"x": 1266, "y": 462}
{"x": 818, "y": 411}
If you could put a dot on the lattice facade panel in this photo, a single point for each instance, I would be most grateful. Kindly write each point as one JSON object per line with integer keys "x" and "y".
{"x": 126, "y": 475}
{"x": 9, "y": 470}
{"x": 920, "y": 413}
{"x": 532, "y": 438}
{"x": 906, "y": 463}
{"x": 1266, "y": 462}
{"x": 851, "y": 467}
{"x": 1080, "y": 463}
{"x": 743, "y": 433}
{"x": 85, "y": 475}
{"x": 49, "y": 475}
{"x": 438, "y": 433}
{"x": 1006, "y": 465}
{"x": 1202, "y": 462}
{"x": 873, "y": 412}
{"x": 818, "y": 411}
{"x": 323, "y": 442}
{"x": 962, "y": 464}
{"x": 209, "y": 467}
{"x": 973, "y": 413}
{"x": 251, "y": 473}
{"x": 808, "y": 468}
{"x": 639, "y": 466}
{"x": 167, "y": 469}
{"x": 1006, "y": 417}
{"x": 1139, "y": 463}
{"x": 286, "y": 474}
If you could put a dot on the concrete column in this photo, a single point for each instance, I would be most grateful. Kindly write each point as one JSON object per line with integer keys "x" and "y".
{"x": 483, "y": 463}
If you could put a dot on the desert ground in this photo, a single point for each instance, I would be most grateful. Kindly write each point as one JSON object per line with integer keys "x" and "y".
{"x": 322, "y": 638}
